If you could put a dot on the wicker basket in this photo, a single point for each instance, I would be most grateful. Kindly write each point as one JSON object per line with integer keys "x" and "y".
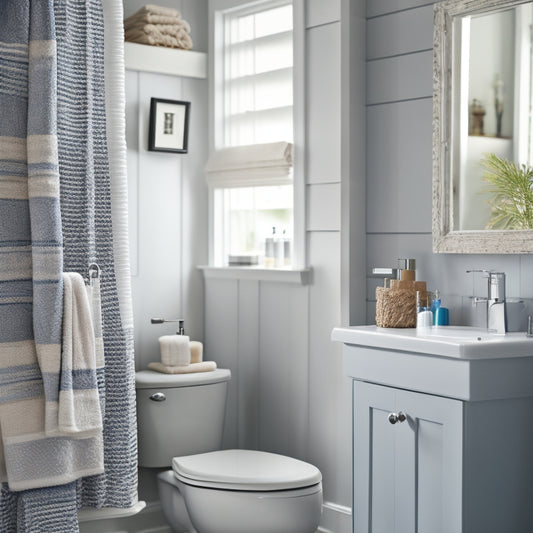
{"x": 395, "y": 308}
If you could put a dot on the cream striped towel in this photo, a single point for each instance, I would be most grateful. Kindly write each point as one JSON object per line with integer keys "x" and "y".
{"x": 79, "y": 405}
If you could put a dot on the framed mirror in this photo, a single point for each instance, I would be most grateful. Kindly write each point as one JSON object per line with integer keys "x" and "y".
{"x": 483, "y": 126}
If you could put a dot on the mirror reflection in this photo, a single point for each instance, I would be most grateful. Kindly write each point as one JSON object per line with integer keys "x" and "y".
{"x": 492, "y": 98}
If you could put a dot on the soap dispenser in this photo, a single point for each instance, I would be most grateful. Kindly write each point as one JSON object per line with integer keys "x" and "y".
{"x": 196, "y": 347}
{"x": 396, "y": 301}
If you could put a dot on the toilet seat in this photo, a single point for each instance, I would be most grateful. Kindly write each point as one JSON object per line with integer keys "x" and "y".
{"x": 245, "y": 470}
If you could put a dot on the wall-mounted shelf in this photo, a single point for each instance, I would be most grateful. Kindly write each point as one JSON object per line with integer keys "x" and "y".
{"x": 163, "y": 60}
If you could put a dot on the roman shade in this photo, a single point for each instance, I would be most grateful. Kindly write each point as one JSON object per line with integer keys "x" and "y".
{"x": 252, "y": 165}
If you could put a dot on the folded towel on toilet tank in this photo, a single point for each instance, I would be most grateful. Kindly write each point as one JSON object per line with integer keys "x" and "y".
{"x": 205, "y": 366}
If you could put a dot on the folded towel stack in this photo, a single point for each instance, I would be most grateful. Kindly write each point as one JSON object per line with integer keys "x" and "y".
{"x": 158, "y": 26}
{"x": 181, "y": 356}
{"x": 205, "y": 366}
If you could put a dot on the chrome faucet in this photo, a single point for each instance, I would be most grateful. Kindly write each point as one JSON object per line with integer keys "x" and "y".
{"x": 497, "y": 316}
{"x": 496, "y": 306}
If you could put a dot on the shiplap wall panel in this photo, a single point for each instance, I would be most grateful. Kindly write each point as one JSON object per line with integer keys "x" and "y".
{"x": 221, "y": 346}
{"x": 329, "y": 436}
{"x": 248, "y": 362}
{"x": 526, "y": 276}
{"x": 323, "y": 202}
{"x": 156, "y": 289}
{"x": 400, "y": 78}
{"x": 297, "y": 361}
{"x": 275, "y": 322}
{"x": 399, "y": 167}
{"x": 382, "y": 7}
{"x": 194, "y": 201}
{"x": 371, "y": 312}
{"x": 283, "y": 319}
{"x": 400, "y": 33}
{"x": 319, "y": 12}
{"x": 402, "y": 129}
{"x": 323, "y": 104}
{"x": 446, "y": 272}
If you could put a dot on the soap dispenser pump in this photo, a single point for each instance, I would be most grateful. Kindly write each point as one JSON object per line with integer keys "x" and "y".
{"x": 407, "y": 269}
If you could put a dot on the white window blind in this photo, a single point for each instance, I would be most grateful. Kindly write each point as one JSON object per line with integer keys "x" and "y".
{"x": 251, "y": 165}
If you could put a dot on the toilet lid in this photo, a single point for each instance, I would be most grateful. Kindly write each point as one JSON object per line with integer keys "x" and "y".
{"x": 248, "y": 470}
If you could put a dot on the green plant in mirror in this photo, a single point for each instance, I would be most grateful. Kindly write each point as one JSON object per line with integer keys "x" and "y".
{"x": 511, "y": 187}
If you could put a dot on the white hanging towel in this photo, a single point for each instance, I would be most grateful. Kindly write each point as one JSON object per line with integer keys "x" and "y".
{"x": 79, "y": 411}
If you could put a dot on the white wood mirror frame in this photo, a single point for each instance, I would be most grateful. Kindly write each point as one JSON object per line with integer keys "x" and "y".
{"x": 445, "y": 75}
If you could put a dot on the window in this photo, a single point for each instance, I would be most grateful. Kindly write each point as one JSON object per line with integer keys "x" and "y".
{"x": 250, "y": 172}
{"x": 258, "y": 76}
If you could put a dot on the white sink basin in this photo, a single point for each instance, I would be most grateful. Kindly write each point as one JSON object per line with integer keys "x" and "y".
{"x": 447, "y": 341}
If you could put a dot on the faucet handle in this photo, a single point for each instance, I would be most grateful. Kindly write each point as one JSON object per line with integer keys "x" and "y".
{"x": 497, "y": 286}
{"x": 478, "y": 270}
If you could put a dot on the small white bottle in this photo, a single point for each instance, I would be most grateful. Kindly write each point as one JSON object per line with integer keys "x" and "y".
{"x": 270, "y": 251}
{"x": 424, "y": 315}
{"x": 286, "y": 250}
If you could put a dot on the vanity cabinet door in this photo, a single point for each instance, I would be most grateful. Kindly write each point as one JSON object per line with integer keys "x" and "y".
{"x": 407, "y": 475}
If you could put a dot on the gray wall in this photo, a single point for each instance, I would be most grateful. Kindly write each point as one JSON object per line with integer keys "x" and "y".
{"x": 399, "y": 172}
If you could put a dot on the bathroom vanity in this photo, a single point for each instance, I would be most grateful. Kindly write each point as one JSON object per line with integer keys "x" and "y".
{"x": 442, "y": 430}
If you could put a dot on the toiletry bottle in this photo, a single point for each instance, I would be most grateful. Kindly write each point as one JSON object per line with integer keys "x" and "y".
{"x": 278, "y": 249}
{"x": 424, "y": 316}
{"x": 196, "y": 348}
{"x": 269, "y": 250}
{"x": 286, "y": 250}
{"x": 435, "y": 304}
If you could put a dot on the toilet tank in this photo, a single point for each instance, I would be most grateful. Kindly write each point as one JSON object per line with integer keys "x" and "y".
{"x": 179, "y": 414}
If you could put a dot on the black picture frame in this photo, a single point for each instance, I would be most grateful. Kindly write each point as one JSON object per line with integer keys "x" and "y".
{"x": 169, "y": 126}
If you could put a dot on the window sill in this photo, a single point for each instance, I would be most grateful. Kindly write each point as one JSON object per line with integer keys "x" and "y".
{"x": 278, "y": 275}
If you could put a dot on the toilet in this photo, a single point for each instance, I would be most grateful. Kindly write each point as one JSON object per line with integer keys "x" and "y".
{"x": 209, "y": 490}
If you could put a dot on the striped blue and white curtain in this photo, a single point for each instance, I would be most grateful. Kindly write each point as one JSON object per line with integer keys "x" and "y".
{"x": 62, "y": 206}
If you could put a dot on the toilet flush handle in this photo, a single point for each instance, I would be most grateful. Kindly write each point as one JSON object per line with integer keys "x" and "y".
{"x": 158, "y": 397}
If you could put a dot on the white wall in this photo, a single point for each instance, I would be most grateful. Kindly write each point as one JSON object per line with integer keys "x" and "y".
{"x": 168, "y": 207}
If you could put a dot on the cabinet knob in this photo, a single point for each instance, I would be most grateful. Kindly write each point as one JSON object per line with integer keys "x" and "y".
{"x": 397, "y": 417}
{"x": 158, "y": 397}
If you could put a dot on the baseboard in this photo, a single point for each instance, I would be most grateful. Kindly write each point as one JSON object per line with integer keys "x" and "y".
{"x": 335, "y": 518}
{"x": 149, "y": 520}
